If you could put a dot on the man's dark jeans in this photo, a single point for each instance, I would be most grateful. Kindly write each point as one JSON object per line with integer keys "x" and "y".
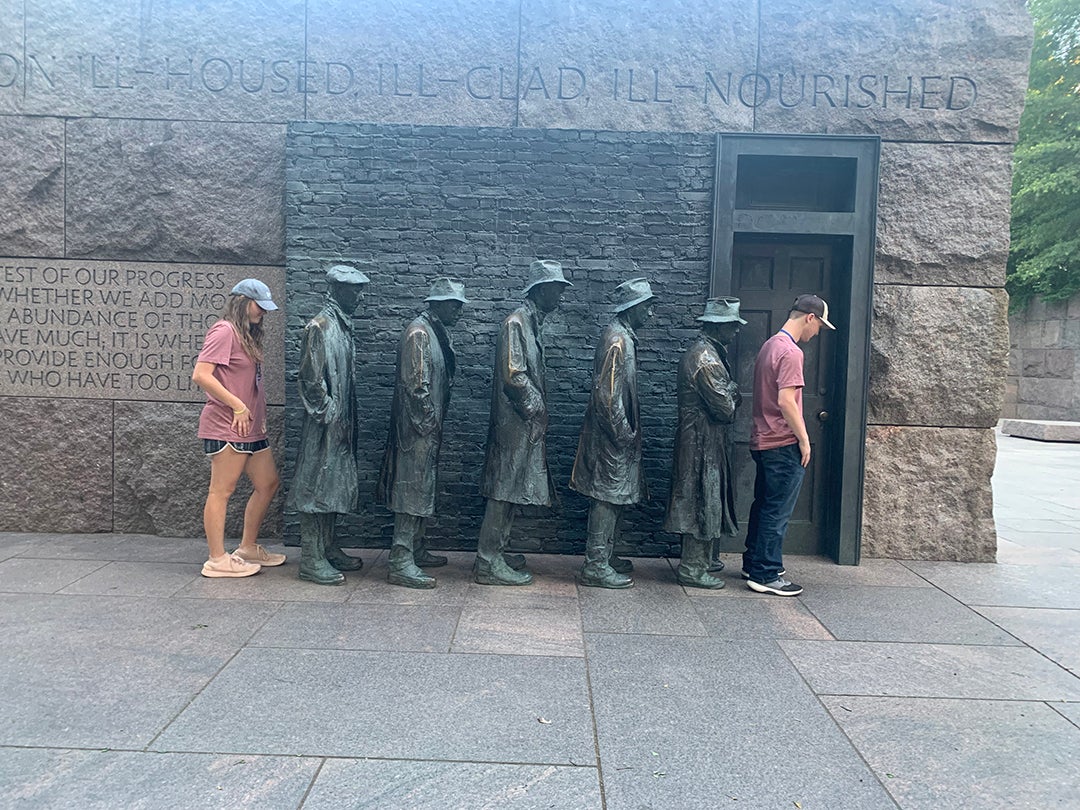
{"x": 779, "y": 478}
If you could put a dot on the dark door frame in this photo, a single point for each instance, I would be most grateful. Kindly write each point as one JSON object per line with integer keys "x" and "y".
{"x": 842, "y": 532}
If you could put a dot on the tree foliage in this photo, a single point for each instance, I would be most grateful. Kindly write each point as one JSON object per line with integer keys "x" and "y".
{"x": 1044, "y": 258}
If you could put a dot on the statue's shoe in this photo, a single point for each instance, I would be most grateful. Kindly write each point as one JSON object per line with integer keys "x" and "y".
{"x": 515, "y": 561}
{"x": 620, "y": 566}
{"x": 498, "y": 572}
{"x": 427, "y": 560}
{"x": 410, "y": 579}
{"x": 604, "y": 577}
{"x": 702, "y": 581}
{"x": 321, "y": 573}
{"x": 344, "y": 562}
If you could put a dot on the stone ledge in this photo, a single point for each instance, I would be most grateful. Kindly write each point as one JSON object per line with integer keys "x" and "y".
{"x": 1042, "y": 430}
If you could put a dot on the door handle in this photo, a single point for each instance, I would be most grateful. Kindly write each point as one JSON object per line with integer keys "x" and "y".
{"x": 823, "y": 416}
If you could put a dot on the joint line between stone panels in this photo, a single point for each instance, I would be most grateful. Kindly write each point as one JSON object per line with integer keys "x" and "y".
{"x": 592, "y": 708}
{"x": 1057, "y": 712}
{"x": 929, "y": 427}
{"x": 213, "y": 677}
{"x": 314, "y": 777}
{"x": 948, "y": 143}
{"x": 24, "y": 50}
{"x": 112, "y": 465}
{"x": 64, "y": 198}
{"x": 839, "y": 728}
{"x": 517, "y": 77}
{"x": 307, "y": 7}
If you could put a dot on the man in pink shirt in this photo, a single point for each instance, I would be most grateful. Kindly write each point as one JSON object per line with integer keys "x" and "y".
{"x": 779, "y": 445}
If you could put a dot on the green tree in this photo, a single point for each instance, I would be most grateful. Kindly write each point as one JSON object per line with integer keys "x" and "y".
{"x": 1044, "y": 258}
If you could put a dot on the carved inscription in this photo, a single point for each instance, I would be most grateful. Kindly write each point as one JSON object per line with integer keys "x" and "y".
{"x": 112, "y": 331}
{"x": 713, "y": 86}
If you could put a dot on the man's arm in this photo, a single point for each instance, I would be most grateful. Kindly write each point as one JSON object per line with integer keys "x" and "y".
{"x": 793, "y": 416}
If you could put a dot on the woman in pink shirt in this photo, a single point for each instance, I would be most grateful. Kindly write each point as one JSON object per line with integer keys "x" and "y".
{"x": 233, "y": 429}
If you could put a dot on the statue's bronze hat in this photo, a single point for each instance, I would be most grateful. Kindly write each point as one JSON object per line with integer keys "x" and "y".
{"x": 721, "y": 310}
{"x": 631, "y": 293}
{"x": 346, "y": 274}
{"x": 543, "y": 271}
{"x": 446, "y": 289}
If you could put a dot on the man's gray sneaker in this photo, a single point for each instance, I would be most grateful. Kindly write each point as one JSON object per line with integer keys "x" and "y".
{"x": 779, "y": 573}
{"x": 779, "y": 586}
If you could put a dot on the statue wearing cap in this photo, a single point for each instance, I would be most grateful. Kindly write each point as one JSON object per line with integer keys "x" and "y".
{"x": 326, "y": 483}
{"x": 515, "y": 465}
{"x": 607, "y": 467}
{"x": 702, "y": 503}
{"x": 407, "y": 484}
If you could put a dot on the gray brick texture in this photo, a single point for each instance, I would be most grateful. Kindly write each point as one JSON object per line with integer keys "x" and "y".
{"x": 479, "y": 204}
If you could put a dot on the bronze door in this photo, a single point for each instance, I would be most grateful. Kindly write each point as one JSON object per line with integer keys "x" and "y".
{"x": 767, "y": 277}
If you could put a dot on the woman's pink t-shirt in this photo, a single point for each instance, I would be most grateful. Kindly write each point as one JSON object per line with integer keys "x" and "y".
{"x": 241, "y": 376}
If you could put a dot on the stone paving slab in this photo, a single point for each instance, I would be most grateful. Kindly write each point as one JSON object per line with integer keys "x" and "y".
{"x": 755, "y": 619}
{"x": 864, "y": 613}
{"x": 344, "y": 784}
{"x": 1010, "y": 553}
{"x": 278, "y": 584}
{"x": 23, "y": 575}
{"x": 321, "y": 626}
{"x": 1054, "y": 633}
{"x": 128, "y": 547}
{"x": 656, "y": 605}
{"x": 135, "y": 579}
{"x": 717, "y": 724}
{"x": 1005, "y": 585}
{"x": 1070, "y": 711}
{"x": 393, "y": 705}
{"x": 105, "y": 780}
{"x": 966, "y": 753}
{"x": 453, "y": 582}
{"x": 551, "y": 630}
{"x": 929, "y": 670}
{"x": 110, "y": 671}
{"x": 1042, "y": 430}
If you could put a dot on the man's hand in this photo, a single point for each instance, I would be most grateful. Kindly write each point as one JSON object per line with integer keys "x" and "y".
{"x": 804, "y": 449}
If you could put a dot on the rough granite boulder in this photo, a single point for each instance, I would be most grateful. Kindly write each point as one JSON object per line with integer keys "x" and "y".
{"x": 943, "y": 214}
{"x": 175, "y": 191}
{"x": 57, "y": 461}
{"x": 32, "y": 190}
{"x": 162, "y": 474}
{"x": 927, "y": 494}
{"x": 938, "y": 356}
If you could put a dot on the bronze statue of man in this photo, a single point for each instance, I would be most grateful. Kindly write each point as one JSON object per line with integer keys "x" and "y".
{"x": 607, "y": 468}
{"x": 407, "y": 485}
{"x": 515, "y": 467}
{"x": 326, "y": 483}
{"x": 702, "y": 503}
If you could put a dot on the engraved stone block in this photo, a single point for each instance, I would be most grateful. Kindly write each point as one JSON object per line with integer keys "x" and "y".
{"x": 923, "y": 70}
{"x": 413, "y": 61}
{"x": 162, "y": 474}
{"x": 943, "y": 214}
{"x": 176, "y": 191}
{"x": 57, "y": 461}
{"x": 927, "y": 494}
{"x": 938, "y": 356}
{"x": 120, "y": 330}
{"x": 11, "y": 57}
{"x": 32, "y": 190}
{"x": 660, "y": 65}
{"x": 227, "y": 60}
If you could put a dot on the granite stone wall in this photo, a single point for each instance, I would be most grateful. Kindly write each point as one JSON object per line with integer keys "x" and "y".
{"x": 144, "y": 172}
{"x": 1044, "y": 362}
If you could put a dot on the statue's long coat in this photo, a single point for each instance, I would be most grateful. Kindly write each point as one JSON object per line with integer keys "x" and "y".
{"x": 702, "y": 500}
{"x": 425, "y": 374}
{"x": 515, "y": 466}
{"x": 608, "y": 462}
{"x": 326, "y": 479}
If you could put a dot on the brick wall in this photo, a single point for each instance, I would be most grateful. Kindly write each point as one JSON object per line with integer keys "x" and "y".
{"x": 1044, "y": 373}
{"x": 480, "y": 204}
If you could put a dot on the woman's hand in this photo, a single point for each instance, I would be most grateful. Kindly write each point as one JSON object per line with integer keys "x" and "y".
{"x": 241, "y": 421}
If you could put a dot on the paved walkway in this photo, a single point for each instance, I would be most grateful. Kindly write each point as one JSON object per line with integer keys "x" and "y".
{"x": 130, "y": 681}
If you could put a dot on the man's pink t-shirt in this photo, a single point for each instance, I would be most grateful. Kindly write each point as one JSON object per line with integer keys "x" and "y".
{"x": 779, "y": 365}
{"x": 240, "y": 375}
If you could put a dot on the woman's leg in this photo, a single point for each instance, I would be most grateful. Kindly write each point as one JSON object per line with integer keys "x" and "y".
{"x": 225, "y": 469}
{"x": 262, "y": 472}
